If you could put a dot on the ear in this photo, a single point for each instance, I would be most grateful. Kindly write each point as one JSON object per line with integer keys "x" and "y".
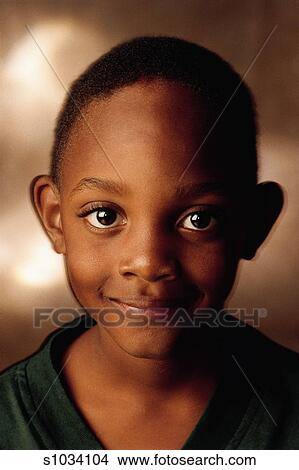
{"x": 264, "y": 210}
{"x": 45, "y": 199}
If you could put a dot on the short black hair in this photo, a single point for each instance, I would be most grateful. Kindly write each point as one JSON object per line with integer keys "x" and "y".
{"x": 167, "y": 58}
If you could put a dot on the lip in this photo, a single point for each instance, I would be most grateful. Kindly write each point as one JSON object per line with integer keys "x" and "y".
{"x": 147, "y": 303}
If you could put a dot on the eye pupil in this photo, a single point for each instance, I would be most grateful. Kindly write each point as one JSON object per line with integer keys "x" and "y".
{"x": 200, "y": 219}
{"x": 106, "y": 216}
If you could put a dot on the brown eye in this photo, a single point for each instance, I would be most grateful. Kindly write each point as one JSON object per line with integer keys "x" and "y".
{"x": 104, "y": 217}
{"x": 200, "y": 220}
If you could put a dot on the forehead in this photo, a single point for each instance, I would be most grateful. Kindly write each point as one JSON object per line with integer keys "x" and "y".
{"x": 150, "y": 130}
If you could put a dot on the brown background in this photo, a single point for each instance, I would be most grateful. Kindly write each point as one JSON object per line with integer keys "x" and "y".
{"x": 73, "y": 33}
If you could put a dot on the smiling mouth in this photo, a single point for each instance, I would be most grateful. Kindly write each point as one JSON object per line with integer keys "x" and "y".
{"x": 148, "y": 304}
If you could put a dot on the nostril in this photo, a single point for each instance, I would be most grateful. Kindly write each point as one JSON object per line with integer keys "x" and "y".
{"x": 128, "y": 274}
{"x": 169, "y": 277}
{"x": 150, "y": 269}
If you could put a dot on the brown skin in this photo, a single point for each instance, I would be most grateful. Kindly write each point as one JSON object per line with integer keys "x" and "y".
{"x": 149, "y": 131}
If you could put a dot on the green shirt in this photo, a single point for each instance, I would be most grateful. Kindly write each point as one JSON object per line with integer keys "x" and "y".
{"x": 256, "y": 404}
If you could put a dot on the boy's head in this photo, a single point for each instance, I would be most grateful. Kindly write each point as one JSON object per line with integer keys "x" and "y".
{"x": 153, "y": 195}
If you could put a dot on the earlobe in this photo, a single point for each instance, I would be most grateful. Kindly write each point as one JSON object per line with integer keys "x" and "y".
{"x": 265, "y": 208}
{"x": 46, "y": 203}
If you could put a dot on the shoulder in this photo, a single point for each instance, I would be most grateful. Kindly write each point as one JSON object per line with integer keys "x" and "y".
{"x": 280, "y": 365}
{"x": 272, "y": 372}
{"x": 30, "y": 418}
{"x": 18, "y": 399}
{"x": 16, "y": 409}
{"x": 265, "y": 358}
{"x": 266, "y": 351}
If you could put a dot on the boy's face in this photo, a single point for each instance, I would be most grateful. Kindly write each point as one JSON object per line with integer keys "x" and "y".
{"x": 146, "y": 237}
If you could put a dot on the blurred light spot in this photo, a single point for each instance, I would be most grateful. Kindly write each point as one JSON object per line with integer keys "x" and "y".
{"x": 31, "y": 90}
{"x": 27, "y": 68}
{"x": 41, "y": 268}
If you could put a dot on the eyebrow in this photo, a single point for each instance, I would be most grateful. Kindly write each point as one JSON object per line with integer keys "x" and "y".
{"x": 97, "y": 183}
{"x": 200, "y": 189}
{"x": 183, "y": 192}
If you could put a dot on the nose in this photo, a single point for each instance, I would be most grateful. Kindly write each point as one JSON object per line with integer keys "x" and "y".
{"x": 150, "y": 259}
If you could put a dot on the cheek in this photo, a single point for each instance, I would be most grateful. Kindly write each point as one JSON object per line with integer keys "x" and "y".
{"x": 213, "y": 270}
{"x": 87, "y": 267}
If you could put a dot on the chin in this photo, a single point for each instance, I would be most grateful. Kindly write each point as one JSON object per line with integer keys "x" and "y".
{"x": 148, "y": 343}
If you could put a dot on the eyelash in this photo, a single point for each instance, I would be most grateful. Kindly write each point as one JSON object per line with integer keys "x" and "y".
{"x": 212, "y": 211}
{"x": 93, "y": 207}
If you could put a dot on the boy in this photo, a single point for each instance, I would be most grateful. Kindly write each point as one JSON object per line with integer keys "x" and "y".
{"x": 153, "y": 199}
